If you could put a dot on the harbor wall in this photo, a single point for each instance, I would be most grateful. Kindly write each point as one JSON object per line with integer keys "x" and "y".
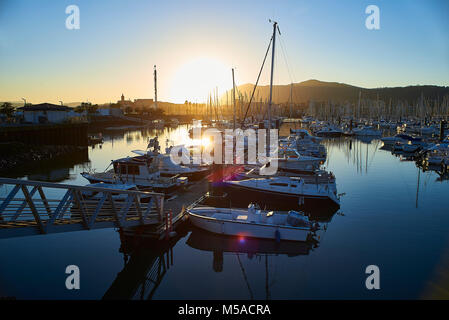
{"x": 48, "y": 134}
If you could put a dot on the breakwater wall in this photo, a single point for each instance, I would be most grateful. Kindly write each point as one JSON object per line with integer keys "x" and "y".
{"x": 46, "y": 134}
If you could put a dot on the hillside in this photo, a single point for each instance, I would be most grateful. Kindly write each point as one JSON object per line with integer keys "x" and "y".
{"x": 339, "y": 92}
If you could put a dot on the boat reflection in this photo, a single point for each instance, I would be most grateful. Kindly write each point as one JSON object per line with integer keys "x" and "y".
{"x": 260, "y": 249}
{"x": 366, "y": 139}
{"x": 220, "y": 244}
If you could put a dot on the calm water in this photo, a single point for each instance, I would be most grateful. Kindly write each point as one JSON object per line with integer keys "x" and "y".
{"x": 384, "y": 220}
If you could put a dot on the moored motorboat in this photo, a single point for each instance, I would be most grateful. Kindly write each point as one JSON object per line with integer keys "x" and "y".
{"x": 253, "y": 223}
{"x": 284, "y": 193}
{"x": 366, "y": 131}
{"x": 291, "y": 160}
{"x": 97, "y": 195}
{"x": 140, "y": 171}
{"x": 410, "y": 148}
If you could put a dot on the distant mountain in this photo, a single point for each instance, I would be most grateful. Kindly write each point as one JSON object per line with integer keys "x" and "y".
{"x": 340, "y": 92}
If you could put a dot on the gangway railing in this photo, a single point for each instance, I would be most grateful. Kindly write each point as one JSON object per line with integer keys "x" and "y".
{"x": 35, "y": 207}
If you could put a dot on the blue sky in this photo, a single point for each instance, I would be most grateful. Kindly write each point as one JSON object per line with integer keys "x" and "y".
{"x": 196, "y": 43}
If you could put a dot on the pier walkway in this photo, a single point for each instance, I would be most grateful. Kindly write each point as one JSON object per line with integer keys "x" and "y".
{"x": 28, "y": 209}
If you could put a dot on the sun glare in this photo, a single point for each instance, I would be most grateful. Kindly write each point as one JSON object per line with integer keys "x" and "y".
{"x": 198, "y": 78}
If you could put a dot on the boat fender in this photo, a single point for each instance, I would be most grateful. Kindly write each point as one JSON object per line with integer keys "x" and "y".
{"x": 277, "y": 235}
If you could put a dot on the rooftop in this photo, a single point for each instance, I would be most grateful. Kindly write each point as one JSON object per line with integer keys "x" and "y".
{"x": 45, "y": 107}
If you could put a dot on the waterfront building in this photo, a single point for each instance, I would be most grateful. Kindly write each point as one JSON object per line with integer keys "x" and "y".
{"x": 46, "y": 112}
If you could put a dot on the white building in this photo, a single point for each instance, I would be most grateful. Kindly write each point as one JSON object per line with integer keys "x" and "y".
{"x": 46, "y": 113}
{"x": 107, "y": 111}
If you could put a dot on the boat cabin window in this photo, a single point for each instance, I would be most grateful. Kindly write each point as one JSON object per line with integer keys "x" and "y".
{"x": 279, "y": 184}
{"x": 126, "y": 169}
{"x": 133, "y": 169}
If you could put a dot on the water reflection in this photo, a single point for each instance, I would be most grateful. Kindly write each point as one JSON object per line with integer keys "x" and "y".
{"x": 219, "y": 244}
{"x": 258, "y": 249}
{"x": 52, "y": 170}
{"x": 146, "y": 262}
{"x": 356, "y": 151}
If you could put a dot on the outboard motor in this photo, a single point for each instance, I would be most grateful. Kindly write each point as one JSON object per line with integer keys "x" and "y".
{"x": 297, "y": 219}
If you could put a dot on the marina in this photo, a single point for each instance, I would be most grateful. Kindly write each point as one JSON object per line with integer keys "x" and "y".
{"x": 209, "y": 151}
{"x": 362, "y": 171}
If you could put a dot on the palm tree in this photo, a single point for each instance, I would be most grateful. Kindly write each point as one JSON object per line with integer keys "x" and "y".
{"x": 7, "y": 109}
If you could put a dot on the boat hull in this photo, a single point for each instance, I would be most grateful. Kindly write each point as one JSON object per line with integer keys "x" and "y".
{"x": 192, "y": 176}
{"x": 242, "y": 196}
{"x": 167, "y": 189}
{"x": 250, "y": 230}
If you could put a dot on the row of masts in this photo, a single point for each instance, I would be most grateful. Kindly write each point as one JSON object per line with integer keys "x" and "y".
{"x": 218, "y": 108}
{"x": 424, "y": 109}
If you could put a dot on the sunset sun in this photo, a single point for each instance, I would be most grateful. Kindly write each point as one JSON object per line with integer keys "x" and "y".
{"x": 199, "y": 77}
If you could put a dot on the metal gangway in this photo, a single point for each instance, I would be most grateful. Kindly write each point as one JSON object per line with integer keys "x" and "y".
{"x": 28, "y": 208}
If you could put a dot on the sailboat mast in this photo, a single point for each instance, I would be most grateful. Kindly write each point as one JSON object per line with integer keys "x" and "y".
{"x": 291, "y": 99}
{"x": 233, "y": 93}
{"x": 271, "y": 88}
{"x": 271, "y": 76}
{"x": 155, "y": 87}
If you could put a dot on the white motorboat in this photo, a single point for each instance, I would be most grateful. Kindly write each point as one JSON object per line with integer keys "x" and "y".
{"x": 317, "y": 177}
{"x": 140, "y": 171}
{"x": 438, "y": 156}
{"x": 282, "y": 192}
{"x": 403, "y": 138}
{"x": 292, "y": 161}
{"x": 304, "y": 134}
{"x": 390, "y": 141}
{"x": 167, "y": 167}
{"x": 329, "y": 131}
{"x": 96, "y": 195}
{"x": 366, "y": 131}
{"x": 305, "y": 146}
{"x": 131, "y": 171}
{"x": 410, "y": 148}
{"x": 253, "y": 223}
